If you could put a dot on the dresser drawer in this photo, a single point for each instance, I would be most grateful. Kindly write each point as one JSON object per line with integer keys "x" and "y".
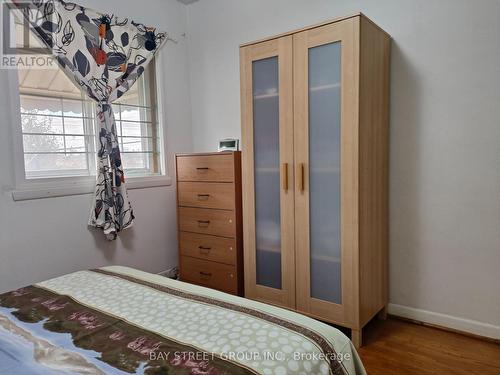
{"x": 216, "y": 168}
{"x": 207, "y": 221}
{"x": 210, "y": 274}
{"x": 206, "y": 195}
{"x": 202, "y": 246}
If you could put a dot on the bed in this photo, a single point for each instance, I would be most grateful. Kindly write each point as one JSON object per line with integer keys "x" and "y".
{"x": 118, "y": 320}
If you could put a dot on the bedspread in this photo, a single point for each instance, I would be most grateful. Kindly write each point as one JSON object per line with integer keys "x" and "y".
{"x": 117, "y": 320}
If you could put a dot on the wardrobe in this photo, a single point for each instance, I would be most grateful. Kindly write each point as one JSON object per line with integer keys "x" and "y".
{"x": 315, "y": 116}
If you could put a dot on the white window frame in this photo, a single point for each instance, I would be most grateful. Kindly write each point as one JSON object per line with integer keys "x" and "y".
{"x": 26, "y": 189}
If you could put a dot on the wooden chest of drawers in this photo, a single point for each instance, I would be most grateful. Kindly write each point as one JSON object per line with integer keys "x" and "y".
{"x": 210, "y": 221}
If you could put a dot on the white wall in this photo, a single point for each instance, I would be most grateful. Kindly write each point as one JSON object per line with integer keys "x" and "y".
{"x": 44, "y": 238}
{"x": 445, "y": 132}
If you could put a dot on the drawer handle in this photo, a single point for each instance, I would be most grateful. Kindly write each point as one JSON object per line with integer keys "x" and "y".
{"x": 203, "y": 197}
{"x": 202, "y": 168}
{"x": 205, "y": 275}
{"x": 204, "y": 250}
{"x": 203, "y": 223}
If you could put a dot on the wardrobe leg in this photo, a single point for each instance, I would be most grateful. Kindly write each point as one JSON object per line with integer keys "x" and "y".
{"x": 356, "y": 337}
{"x": 382, "y": 314}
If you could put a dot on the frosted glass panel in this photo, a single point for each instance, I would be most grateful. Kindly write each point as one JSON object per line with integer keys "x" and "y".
{"x": 267, "y": 178}
{"x": 324, "y": 171}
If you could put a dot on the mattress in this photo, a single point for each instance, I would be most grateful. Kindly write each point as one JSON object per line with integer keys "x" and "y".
{"x": 117, "y": 320}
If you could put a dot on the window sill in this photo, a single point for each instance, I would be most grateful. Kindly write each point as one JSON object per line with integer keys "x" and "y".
{"x": 39, "y": 190}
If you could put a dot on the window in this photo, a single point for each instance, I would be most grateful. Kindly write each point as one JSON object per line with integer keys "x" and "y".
{"x": 59, "y": 129}
{"x": 58, "y": 136}
{"x": 136, "y": 122}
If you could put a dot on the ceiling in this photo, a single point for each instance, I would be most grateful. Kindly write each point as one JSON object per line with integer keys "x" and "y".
{"x": 187, "y": 1}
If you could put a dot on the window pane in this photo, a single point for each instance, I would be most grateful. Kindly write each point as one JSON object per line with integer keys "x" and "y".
{"x": 55, "y": 162}
{"x": 73, "y": 125}
{"x": 136, "y": 144}
{"x": 129, "y": 113}
{"x": 135, "y": 161}
{"x": 43, "y": 143}
{"x": 40, "y": 105}
{"x": 75, "y": 144}
{"x": 73, "y": 108}
{"x": 41, "y": 124}
{"x": 133, "y": 129}
{"x": 132, "y": 144}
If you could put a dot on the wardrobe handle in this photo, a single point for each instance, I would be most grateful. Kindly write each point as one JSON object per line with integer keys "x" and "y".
{"x": 302, "y": 177}
{"x": 285, "y": 176}
{"x": 203, "y": 196}
{"x": 202, "y": 168}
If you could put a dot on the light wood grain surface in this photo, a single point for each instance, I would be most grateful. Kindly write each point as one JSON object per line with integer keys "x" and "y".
{"x": 345, "y": 33}
{"x": 209, "y": 209}
{"x": 363, "y": 168}
{"x": 212, "y": 274}
{"x": 207, "y": 195}
{"x": 282, "y": 48}
{"x": 208, "y": 247}
{"x": 395, "y": 347}
{"x": 374, "y": 170}
{"x": 215, "y": 168}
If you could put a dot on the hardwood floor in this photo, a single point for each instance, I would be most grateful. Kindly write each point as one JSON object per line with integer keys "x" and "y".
{"x": 396, "y": 347}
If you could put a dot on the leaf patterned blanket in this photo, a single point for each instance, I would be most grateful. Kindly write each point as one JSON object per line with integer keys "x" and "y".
{"x": 117, "y": 320}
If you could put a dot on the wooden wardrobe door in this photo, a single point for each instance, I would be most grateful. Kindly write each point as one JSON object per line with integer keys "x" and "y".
{"x": 326, "y": 153}
{"x": 267, "y": 161}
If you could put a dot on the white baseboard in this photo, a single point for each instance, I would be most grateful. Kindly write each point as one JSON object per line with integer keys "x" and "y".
{"x": 446, "y": 321}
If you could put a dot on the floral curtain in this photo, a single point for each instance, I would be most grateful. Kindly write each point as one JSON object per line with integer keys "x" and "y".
{"x": 104, "y": 55}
